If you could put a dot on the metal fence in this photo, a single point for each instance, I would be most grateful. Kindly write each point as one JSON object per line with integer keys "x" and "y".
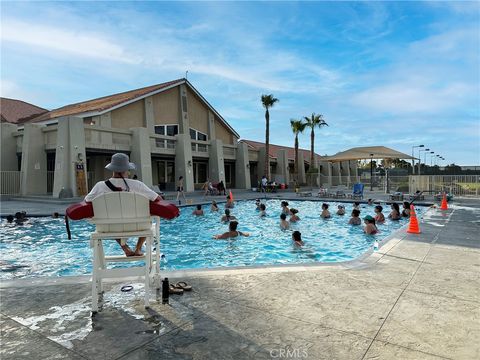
{"x": 459, "y": 185}
{"x": 10, "y": 182}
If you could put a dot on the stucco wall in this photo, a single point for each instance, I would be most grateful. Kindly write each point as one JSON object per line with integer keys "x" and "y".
{"x": 222, "y": 133}
{"x": 131, "y": 115}
{"x": 197, "y": 113}
{"x": 166, "y": 106}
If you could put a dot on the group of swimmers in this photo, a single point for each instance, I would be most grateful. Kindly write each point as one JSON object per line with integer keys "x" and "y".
{"x": 370, "y": 221}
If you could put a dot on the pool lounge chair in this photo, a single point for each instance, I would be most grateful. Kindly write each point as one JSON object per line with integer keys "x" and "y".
{"x": 123, "y": 215}
{"x": 357, "y": 192}
{"x": 397, "y": 196}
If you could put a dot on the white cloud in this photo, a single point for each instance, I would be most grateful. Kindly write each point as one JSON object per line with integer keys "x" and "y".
{"x": 78, "y": 42}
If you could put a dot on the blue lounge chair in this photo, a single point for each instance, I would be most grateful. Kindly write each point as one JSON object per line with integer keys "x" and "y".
{"x": 358, "y": 191}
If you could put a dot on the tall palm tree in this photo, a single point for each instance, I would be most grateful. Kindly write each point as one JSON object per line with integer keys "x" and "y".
{"x": 297, "y": 127}
{"x": 267, "y": 101}
{"x": 313, "y": 122}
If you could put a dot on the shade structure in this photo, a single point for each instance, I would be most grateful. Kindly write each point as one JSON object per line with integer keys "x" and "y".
{"x": 367, "y": 152}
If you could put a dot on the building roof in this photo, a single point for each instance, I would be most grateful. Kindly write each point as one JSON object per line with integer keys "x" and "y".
{"x": 13, "y": 111}
{"x": 274, "y": 149}
{"x": 368, "y": 152}
{"x": 104, "y": 104}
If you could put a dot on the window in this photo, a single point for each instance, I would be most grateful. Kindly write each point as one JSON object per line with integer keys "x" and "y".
{"x": 169, "y": 130}
{"x": 197, "y": 135}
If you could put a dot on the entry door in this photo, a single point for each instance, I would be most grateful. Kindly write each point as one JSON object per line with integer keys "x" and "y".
{"x": 166, "y": 174}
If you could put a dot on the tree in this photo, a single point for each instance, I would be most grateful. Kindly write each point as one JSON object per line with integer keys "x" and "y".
{"x": 267, "y": 101}
{"x": 313, "y": 122}
{"x": 297, "y": 127}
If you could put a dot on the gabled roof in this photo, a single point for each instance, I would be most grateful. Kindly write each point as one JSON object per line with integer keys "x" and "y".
{"x": 274, "y": 149}
{"x": 13, "y": 111}
{"x": 367, "y": 152}
{"x": 104, "y": 104}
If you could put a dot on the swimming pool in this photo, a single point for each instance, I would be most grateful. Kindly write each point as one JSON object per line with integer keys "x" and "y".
{"x": 40, "y": 247}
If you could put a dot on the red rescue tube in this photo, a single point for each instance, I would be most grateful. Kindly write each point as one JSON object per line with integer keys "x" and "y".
{"x": 160, "y": 208}
{"x": 164, "y": 209}
{"x": 82, "y": 210}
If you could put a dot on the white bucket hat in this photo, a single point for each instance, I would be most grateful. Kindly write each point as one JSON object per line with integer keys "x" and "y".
{"x": 120, "y": 163}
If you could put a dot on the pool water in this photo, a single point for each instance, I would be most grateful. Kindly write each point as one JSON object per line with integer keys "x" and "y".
{"x": 40, "y": 247}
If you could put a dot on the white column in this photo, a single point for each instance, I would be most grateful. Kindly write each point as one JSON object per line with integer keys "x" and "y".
{"x": 34, "y": 161}
{"x": 216, "y": 167}
{"x": 242, "y": 167}
{"x": 183, "y": 161}
{"x": 140, "y": 154}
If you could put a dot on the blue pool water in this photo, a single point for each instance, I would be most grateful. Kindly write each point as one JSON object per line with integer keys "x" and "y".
{"x": 40, "y": 247}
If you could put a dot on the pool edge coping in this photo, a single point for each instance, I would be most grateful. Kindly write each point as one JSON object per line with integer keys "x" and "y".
{"x": 365, "y": 260}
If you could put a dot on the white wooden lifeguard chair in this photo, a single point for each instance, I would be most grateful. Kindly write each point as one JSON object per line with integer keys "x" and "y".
{"x": 123, "y": 215}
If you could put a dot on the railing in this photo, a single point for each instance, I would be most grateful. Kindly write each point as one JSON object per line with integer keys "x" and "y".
{"x": 252, "y": 155}
{"x": 459, "y": 185}
{"x": 10, "y": 182}
{"x": 200, "y": 147}
{"x": 229, "y": 151}
{"x": 162, "y": 143}
{"x": 50, "y": 136}
{"x": 98, "y": 137}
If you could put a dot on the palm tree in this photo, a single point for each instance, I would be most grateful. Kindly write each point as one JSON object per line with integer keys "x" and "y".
{"x": 267, "y": 101}
{"x": 297, "y": 127}
{"x": 313, "y": 122}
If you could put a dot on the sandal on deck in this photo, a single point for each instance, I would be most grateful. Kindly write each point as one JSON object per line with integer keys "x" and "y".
{"x": 175, "y": 290}
{"x": 183, "y": 285}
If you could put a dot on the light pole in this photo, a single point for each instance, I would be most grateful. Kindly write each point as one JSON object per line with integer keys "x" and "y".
{"x": 420, "y": 160}
{"x": 413, "y": 156}
{"x": 431, "y": 157}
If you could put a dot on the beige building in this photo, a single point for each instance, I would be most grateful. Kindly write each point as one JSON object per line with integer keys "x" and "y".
{"x": 169, "y": 130}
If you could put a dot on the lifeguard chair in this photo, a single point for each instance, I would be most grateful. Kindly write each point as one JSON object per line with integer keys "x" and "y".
{"x": 123, "y": 215}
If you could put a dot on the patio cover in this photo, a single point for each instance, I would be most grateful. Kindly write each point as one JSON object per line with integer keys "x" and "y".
{"x": 361, "y": 153}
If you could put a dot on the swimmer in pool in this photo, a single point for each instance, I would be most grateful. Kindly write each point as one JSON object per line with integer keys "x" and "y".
{"x": 214, "y": 206}
{"x": 198, "y": 211}
{"x": 263, "y": 209}
{"x": 356, "y": 205}
{"x": 325, "y": 213}
{"x": 297, "y": 239}
{"x": 257, "y": 204}
{"x": 341, "y": 210}
{"x": 232, "y": 232}
{"x": 379, "y": 217}
{"x": 229, "y": 204}
{"x": 355, "y": 219}
{"x": 395, "y": 214}
{"x": 406, "y": 209}
{"x": 227, "y": 217}
{"x": 285, "y": 209}
{"x": 284, "y": 224}
{"x": 370, "y": 227}
{"x": 294, "y": 217}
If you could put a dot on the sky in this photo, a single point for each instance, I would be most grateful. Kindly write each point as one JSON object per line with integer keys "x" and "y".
{"x": 396, "y": 74}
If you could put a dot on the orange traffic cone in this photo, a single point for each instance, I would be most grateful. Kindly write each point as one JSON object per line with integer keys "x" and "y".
{"x": 444, "y": 205}
{"x": 413, "y": 227}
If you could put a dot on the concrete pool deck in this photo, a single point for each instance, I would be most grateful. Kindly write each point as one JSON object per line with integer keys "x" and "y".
{"x": 418, "y": 297}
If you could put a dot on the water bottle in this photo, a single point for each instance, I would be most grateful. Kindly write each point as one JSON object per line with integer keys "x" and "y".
{"x": 165, "y": 291}
{"x": 375, "y": 245}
